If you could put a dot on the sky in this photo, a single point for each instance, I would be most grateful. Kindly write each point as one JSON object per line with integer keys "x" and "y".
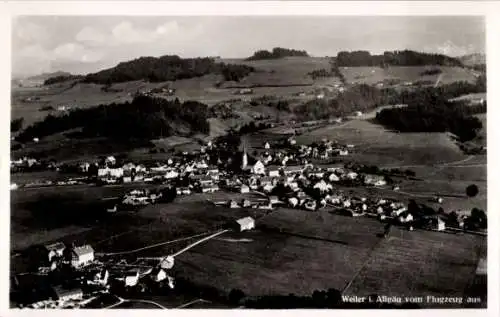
{"x": 85, "y": 44}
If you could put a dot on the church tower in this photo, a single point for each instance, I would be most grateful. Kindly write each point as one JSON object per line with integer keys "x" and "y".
{"x": 244, "y": 161}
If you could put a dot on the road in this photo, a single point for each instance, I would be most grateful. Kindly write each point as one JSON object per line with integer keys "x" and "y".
{"x": 199, "y": 300}
{"x": 153, "y": 245}
{"x": 124, "y": 300}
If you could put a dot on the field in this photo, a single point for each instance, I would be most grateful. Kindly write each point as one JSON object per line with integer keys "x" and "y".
{"x": 321, "y": 250}
{"x": 419, "y": 264}
{"x": 373, "y": 75}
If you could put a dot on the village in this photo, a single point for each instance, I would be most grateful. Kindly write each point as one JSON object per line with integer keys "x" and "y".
{"x": 279, "y": 175}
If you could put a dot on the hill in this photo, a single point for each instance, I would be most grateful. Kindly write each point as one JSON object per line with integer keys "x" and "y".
{"x": 277, "y": 52}
{"x": 150, "y": 118}
{"x": 394, "y": 58}
{"x": 45, "y": 76}
{"x": 166, "y": 68}
{"x": 473, "y": 59}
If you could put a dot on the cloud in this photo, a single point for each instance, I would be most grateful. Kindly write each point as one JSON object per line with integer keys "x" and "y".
{"x": 30, "y": 32}
{"x": 76, "y": 52}
{"x": 91, "y": 36}
{"x": 451, "y": 49}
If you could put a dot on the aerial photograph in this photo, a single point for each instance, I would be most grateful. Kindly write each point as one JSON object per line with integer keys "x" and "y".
{"x": 248, "y": 162}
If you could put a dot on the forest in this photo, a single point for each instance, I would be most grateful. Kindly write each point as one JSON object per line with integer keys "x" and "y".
{"x": 167, "y": 68}
{"x": 150, "y": 118}
{"x": 395, "y": 58}
{"x": 277, "y": 52}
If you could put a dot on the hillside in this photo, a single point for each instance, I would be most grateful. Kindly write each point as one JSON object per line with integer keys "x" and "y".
{"x": 45, "y": 76}
{"x": 150, "y": 118}
{"x": 473, "y": 59}
{"x": 166, "y": 68}
{"x": 394, "y": 58}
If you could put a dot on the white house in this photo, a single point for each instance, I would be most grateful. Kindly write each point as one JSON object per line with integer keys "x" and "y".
{"x": 438, "y": 224}
{"x": 267, "y": 146}
{"x": 259, "y": 168}
{"x": 374, "y": 180}
{"x": 333, "y": 177}
{"x": 101, "y": 277}
{"x": 81, "y": 256}
{"x": 323, "y": 186}
{"x": 292, "y": 201}
{"x": 292, "y": 170}
{"x": 171, "y": 174}
{"x": 158, "y": 274}
{"x": 268, "y": 187}
{"x": 110, "y": 161}
{"x": 244, "y": 189}
{"x": 247, "y": 223}
{"x": 131, "y": 278}
{"x": 209, "y": 188}
{"x": 55, "y": 250}
{"x": 273, "y": 171}
{"x": 405, "y": 218}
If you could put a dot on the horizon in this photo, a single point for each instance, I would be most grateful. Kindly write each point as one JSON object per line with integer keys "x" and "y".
{"x": 82, "y": 45}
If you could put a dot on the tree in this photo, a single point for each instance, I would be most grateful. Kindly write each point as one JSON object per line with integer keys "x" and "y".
{"x": 235, "y": 296}
{"x": 16, "y": 124}
{"x": 472, "y": 190}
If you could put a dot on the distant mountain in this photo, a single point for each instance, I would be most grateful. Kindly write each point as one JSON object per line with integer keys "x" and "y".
{"x": 394, "y": 58}
{"x": 277, "y": 52}
{"x": 167, "y": 68}
{"x": 45, "y": 76}
{"x": 473, "y": 59}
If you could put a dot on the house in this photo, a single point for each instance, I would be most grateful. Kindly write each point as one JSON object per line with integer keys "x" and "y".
{"x": 81, "y": 256}
{"x": 273, "y": 199}
{"x": 247, "y": 223}
{"x": 101, "y": 277}
{"x": 246, "y": 203}
{"x": 209, "y": 188}
{"x": 438, "y": 224}
{"x": 244, "y": 189}
{"x": 268, "y": 187}
{"x": 333, "y": 177}
{"x": 374, "y": 180}
{"x": 171, "y": 174}
{"x": 267, "y": 146}
{"x": 293, "y": 170}
{"x": 310, "y": 205}
{"x": 183, "y": 190}
{"x": 323, "y": 186}
{"x": 158, "y": 274}
{"x": 110, "y": 161}
{"x": 55, "y": 250}
{"x": 259, "y": 168}
{"x": 64, "y": 295}
{"x": 292, "y": 141}
{"x": 205, "y": 180}
{"x": 273, "y": 171}
{"x": 131, "y": 277}
{"x": 351, "y": 175}
{"x": 108, "y": 172}
{"x": 293, "y": 202}
{"x": 405, "y": 217}
{"x": 233, "y": 204}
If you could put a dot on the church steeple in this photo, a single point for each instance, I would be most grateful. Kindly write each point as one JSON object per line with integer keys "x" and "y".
{"x": 244, "y": 161}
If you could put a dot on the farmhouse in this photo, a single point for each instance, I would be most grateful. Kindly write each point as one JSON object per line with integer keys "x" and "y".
{"x": 81, "y": 256}
{"x": 259, "y": 168}
{"x": 273, "y": 171}
{"x": 438, "y": 224}
{"x": 247, "y": 223}
{"x": 131, "y": 278}
{"x": 292, "y": 170}
{"x": 375, "y": 180}
{"x": 158, "y": 274}
{"x": 55, "y": 250}
{"x": 323, "y": 186}
{"x": 212, "y": 188}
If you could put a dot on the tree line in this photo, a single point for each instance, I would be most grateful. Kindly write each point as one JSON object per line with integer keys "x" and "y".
{"x": 143, "y": 118}
{"x": 60, "y": 79}
{"x": 167, "y": 68}
{"x": 395, "y": 58}
{"x": 277, "y": 52}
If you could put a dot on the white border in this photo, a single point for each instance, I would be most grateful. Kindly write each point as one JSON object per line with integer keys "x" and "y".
{"x": 247, "y": 8}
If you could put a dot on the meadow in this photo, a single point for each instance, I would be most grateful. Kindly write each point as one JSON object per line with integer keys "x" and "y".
{"x": 373, "y": 75}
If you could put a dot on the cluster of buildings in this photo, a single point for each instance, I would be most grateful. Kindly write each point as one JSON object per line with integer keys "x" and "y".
{"x": 89, "y": 277}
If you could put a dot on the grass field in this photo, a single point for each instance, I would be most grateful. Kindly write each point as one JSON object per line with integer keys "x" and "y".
{"x": 373, "y": 75}
{"x": 376, "y": 145}
{"x": 419, "y": 264}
